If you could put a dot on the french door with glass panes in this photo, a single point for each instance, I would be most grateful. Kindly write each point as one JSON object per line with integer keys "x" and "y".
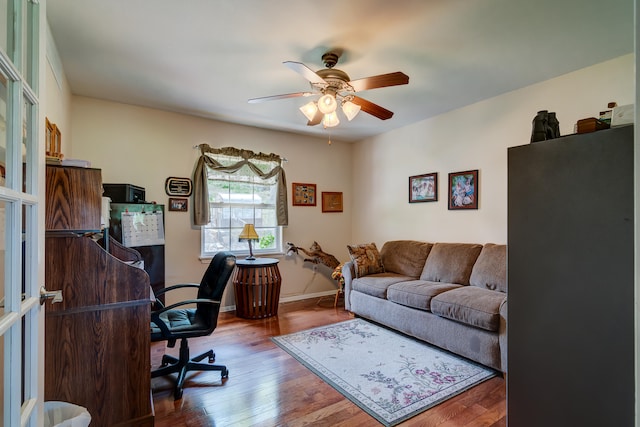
{"x": 21, "y": 212}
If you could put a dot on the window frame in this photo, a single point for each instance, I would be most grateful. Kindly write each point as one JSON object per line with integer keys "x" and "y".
{"x": 240, "y": 249}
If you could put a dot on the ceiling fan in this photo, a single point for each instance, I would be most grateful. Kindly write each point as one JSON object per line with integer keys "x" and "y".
{"x": 336, "y": 88}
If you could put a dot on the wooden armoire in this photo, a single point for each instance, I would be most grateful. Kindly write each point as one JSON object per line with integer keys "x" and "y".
{"x": 97, "y": 341}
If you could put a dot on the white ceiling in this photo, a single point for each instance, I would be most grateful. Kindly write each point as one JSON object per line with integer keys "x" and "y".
{"x": 208, "y": 57}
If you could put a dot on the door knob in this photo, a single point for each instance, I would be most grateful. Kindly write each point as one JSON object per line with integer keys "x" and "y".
{"x": 54, "y": 296}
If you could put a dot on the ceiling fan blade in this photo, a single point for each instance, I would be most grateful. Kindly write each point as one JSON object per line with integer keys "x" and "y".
{"x": 304, "y": 71}
{"x": 284, "y": 96}
{"x": 373, "y": 109}
{"x": 316, "y": 119}
{"x": 382, "y": 80}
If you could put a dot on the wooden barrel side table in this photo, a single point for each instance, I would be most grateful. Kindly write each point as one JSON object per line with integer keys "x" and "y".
{"x": 257, "y": 287}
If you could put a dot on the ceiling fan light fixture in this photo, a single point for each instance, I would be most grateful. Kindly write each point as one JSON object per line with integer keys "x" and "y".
{"x": 350, "y": 109}
{"x": 334, "y": 87}
{"x": 330, "y": 120}
{"x": 327, "y": 104}
{"x": 309, "y": 110}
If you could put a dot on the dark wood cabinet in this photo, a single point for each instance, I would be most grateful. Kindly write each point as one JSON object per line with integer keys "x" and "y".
{"x": 97, "y": 342}
{"x": 153, "y": 255}
{"x": 74, "y": 198}
{"x": 571, "y": 281}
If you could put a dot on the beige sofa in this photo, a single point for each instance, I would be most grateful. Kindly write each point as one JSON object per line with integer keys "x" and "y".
{"x": 452, "y": 295}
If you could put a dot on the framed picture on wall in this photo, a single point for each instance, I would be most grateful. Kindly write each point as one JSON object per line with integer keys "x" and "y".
{"x": 463, "y": 190}
{"x": 178, "y": 186}
{"x": 53, "y": 138}
{"x": 304, "y": 194}
{"x": 331, "y": 201}
{"x": 178, "y": 205}
{"x": 423, "y": 188}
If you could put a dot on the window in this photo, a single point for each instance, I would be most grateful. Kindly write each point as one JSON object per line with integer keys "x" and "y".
{"x": 240, "y": 198}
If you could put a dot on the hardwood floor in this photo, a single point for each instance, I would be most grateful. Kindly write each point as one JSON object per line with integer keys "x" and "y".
{"x": 267, "y": 387}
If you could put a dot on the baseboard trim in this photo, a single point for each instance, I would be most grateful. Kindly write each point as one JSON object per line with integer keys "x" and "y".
{"x": 289, "y": 299}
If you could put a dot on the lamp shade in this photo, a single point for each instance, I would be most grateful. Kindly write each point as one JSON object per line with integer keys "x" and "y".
{"x": 309, "y": 109}
{"x": 248, "y": 233}
{"x": 350, "y": 109}
{"x": 327, "y": 104}
{"x": 330, "y": 120}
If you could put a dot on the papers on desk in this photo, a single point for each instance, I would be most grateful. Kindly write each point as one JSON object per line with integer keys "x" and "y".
{"x": 137, "y": 264}
{"x": 76, "y": 162}
{"x": 142, "y": 229}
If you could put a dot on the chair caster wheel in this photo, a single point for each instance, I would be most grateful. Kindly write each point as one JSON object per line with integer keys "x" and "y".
{"x": 212, "y": 359}
{"x": 225, "y": 374}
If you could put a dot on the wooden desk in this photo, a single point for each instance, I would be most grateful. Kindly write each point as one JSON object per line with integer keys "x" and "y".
{"x": 97, "y": 339}
{"x": 257, "y": 287}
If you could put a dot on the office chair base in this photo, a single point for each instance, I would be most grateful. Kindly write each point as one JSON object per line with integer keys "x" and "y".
{"x": 184, "y": 364}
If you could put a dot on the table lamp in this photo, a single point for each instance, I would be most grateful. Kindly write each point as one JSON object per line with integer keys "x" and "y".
{"x": 249, "y": 234}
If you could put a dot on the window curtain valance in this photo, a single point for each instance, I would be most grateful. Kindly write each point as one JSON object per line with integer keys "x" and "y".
{"x": 201, "y": 189}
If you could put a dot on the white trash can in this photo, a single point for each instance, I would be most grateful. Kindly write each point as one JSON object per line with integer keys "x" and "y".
{"x": 65, "y": 414}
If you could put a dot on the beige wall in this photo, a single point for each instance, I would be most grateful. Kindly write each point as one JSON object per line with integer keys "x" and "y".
{"x": 473, "y": 137}
{"x": 57, "y": 102}
{"x": 142, "y": 146}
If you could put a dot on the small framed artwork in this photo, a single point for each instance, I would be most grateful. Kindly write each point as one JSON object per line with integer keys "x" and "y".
{"x": 178, "y": 186}
{"x": 304, "y": 194}
{"x": 463, "y": 190}
{"x": 53, "y": 139}
{"x": 57, "y": 141}
{"x": 178, "y": 205}
{"x": 423, "y": 188}
{"x": 331, "y": 201}
{"x": 48, "y": 136}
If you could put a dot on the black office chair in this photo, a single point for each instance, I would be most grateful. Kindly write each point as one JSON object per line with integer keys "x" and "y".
{"x": 172, "y": 323}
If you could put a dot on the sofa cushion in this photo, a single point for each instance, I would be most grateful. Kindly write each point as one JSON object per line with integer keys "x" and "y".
{"x": 450, "y": 262}
{"x": 405, "y": 256}
{"x": 417, "y": 293}
{"x": 366, "y": 259}
{"x": 490, "y": 269}
{"x": 376, "y": 284}
{"x": 470, "y": 305}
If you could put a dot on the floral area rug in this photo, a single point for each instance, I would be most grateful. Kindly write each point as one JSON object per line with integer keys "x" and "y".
{"x": 390, "y": 376}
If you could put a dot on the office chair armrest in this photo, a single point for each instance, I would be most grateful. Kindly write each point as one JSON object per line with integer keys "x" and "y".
{"x": 157, "y": 304}
{"x": 178, "y": 286}
{"x": 155, "y": 319}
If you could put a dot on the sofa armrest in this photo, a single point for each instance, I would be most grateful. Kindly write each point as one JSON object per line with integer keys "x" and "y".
{"x": 348, "y": 273}
{"x": 502, "y": 335}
